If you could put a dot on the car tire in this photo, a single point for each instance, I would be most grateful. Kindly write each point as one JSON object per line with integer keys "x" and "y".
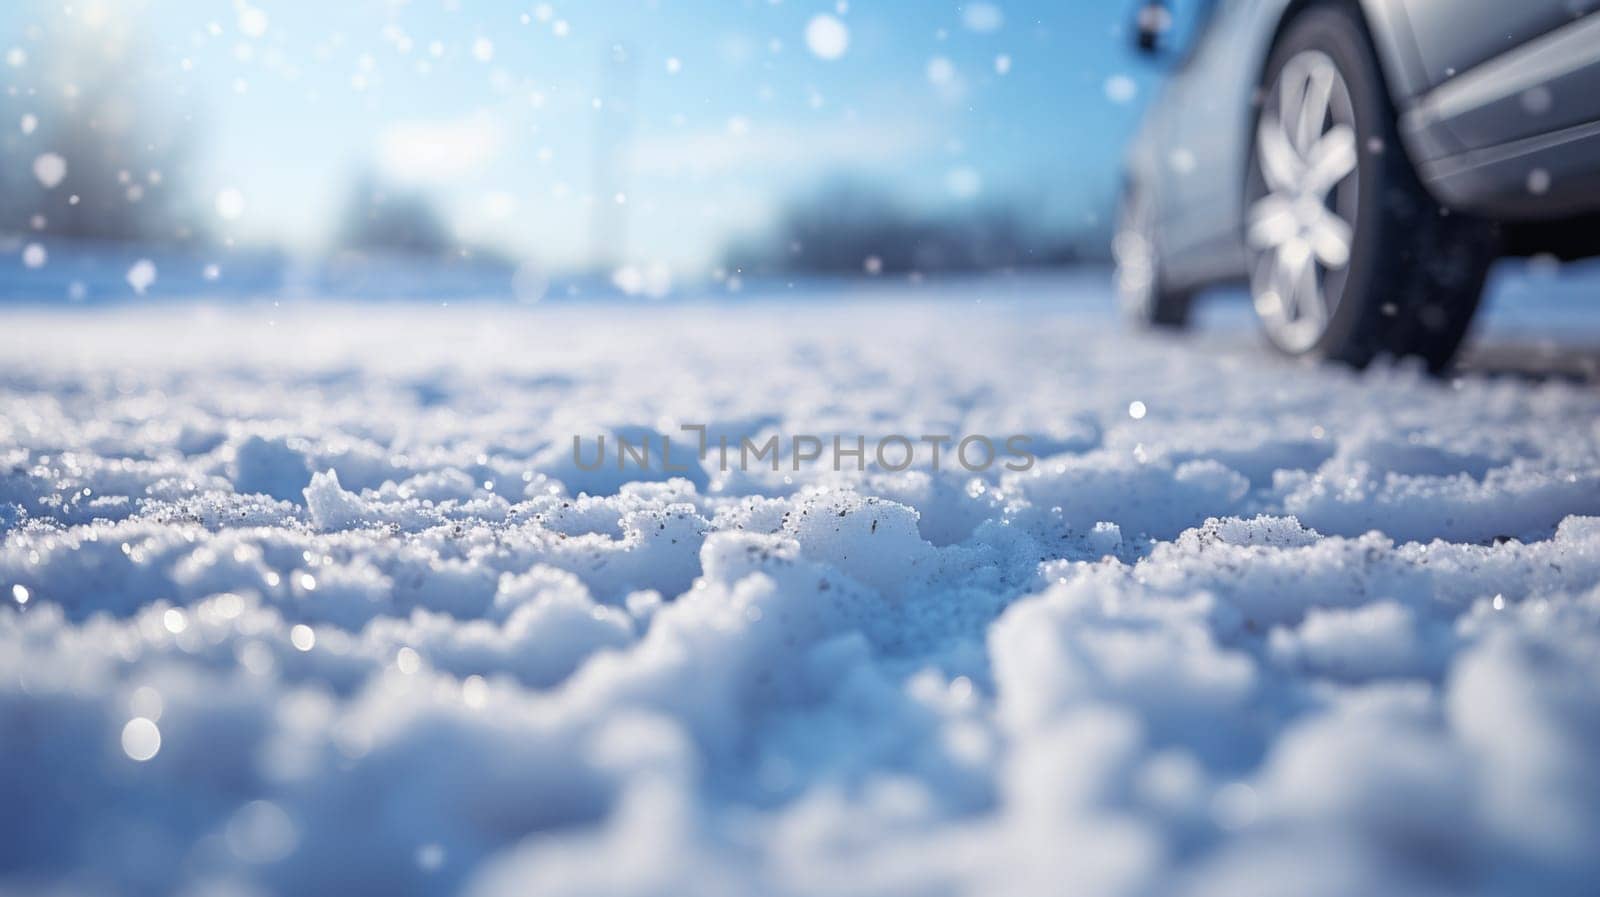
{"x": 1142, "y": 288}
{"x": 1409, "y": 275}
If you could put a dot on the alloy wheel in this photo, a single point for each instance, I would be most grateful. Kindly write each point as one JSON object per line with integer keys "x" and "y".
{"x": 1133, "y": 248}
{"x": 1301, "y": 206}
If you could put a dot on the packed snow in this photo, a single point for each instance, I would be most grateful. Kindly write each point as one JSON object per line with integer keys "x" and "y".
{"x": 316, "y": 599}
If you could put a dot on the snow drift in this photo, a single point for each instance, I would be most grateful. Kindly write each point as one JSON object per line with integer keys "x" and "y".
{"x": 316, "y": 602}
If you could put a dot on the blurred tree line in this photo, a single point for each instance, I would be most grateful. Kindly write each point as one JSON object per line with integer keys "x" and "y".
{"x": 124, "y": 134}
{"x": 848, "y": 224}
{"x": 380, "y": 219}
{"x": 125, "y": 140}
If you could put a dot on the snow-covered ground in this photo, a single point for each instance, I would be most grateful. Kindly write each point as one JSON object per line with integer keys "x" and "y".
{"x": 308, "y": 601}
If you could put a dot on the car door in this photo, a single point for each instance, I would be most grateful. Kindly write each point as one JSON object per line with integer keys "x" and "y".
{"x": 1201, "y": 162}
{"x": 1452, "y": 36}
{"x": 1512, "y": 104}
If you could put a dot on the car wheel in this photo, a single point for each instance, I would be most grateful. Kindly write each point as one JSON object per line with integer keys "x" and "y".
{"x": 1141, "y": 289}
{"x": 1349, "y": 256}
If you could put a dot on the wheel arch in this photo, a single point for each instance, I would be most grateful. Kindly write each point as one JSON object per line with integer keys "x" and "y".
{"x": 1387, "y": 27}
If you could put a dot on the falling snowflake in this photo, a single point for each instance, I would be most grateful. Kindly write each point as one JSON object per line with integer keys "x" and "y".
{"x": 1121, "y": 89}
{"x": 983, "y": 18}
{"x": 141, "y": 739}
{"x": 142, "y": 275}
{"x": 230, "y": 204}
{"x": 827, "y": 37}
{"x": 50, "y": 169}
{"x": 963, "y": 182}
{"x": 252, "y": 21}
{"x": 1536, "y": 100}
{"x": 653, "y": 281}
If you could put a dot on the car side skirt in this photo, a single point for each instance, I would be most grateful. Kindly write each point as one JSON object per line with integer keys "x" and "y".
{"x": 1516, "y": 138}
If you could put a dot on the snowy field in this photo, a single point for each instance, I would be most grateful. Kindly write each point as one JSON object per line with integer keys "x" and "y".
{"x": 316, "y": 600}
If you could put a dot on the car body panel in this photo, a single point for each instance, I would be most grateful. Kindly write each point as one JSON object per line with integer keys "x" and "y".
{"x": 1453, "y": 36}
{"x": 1516, "y": 137}
{"x": 1392, "y": 36}
{"x": 1194, "y": 164}
{"x": 1471, "y": 138}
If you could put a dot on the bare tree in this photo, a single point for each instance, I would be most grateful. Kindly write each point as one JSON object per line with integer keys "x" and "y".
{"x": 381, "y": 219}
{"x": 89, "y": 99}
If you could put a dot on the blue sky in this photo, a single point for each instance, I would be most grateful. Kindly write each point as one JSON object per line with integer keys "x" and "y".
{"x": 500, "y": 110}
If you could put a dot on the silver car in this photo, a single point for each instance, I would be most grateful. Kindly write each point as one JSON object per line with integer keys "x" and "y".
{"x": 1360, "y": 163}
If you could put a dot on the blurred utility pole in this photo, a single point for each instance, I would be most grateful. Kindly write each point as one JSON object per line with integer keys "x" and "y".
{"x": 613, "y": 129}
